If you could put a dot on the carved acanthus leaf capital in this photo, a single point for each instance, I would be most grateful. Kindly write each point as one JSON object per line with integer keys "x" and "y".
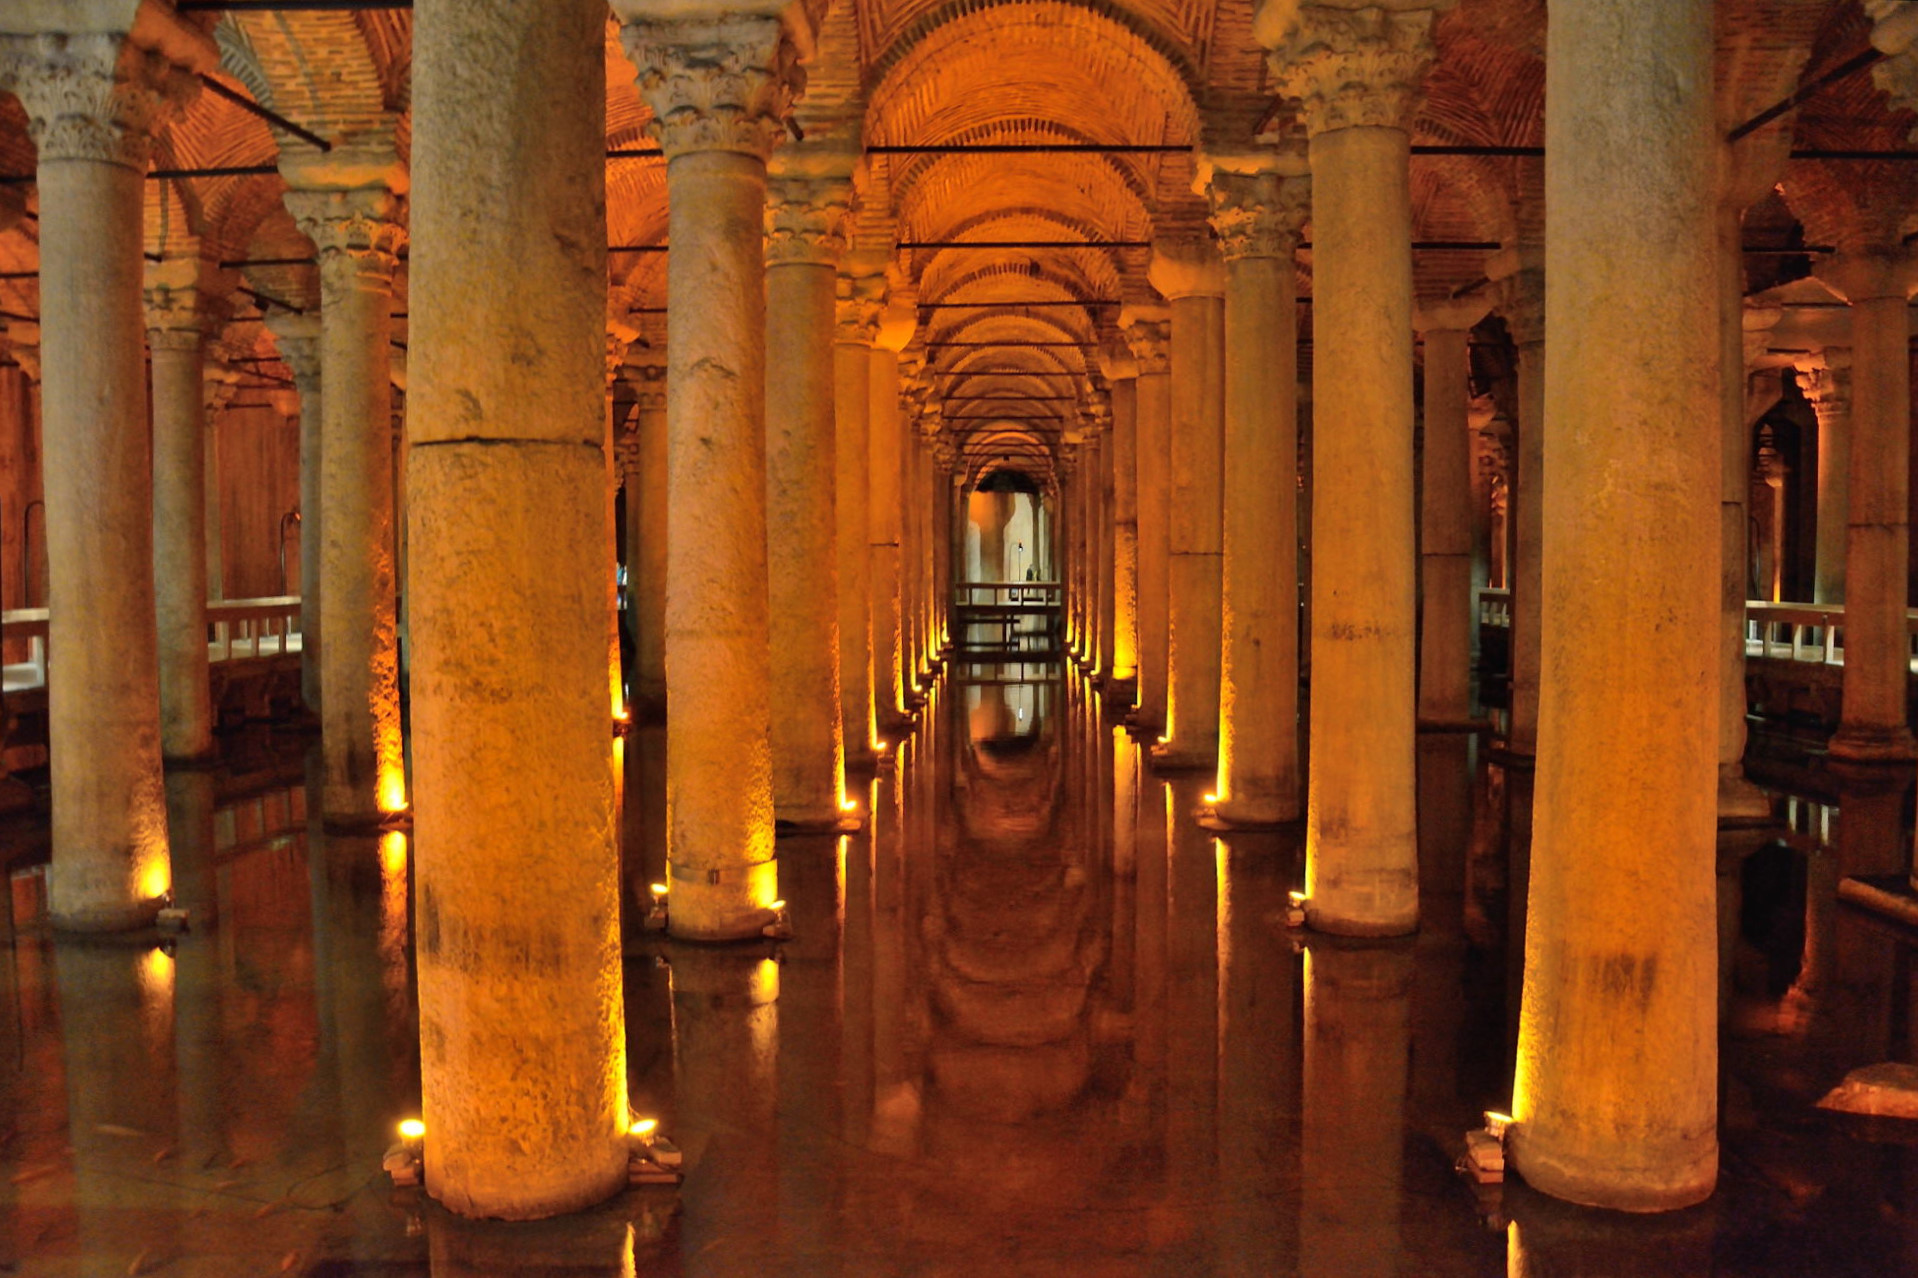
{"x": 1521, "y": 300}
{"x": 1148, "y": 333}
{"x": 356, "y": 233}
{"x": 647, "y": 377}
{"x": 97, "y": 96}
{"x": 858, "y": 303}
{"x": 716, "y": 84}
{"x": 1258, "y": 214}
{"x": 1356, "y": 67}
{"x": 806, "y": 220}
{"x": 1825, "y": 380}
{"x": 298, "y": 339}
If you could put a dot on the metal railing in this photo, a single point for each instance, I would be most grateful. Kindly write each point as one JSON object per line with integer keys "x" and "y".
{"x": 1006, "y": 594}
{"x": 237, "y": 629}
{"x": 1495, "y": 607}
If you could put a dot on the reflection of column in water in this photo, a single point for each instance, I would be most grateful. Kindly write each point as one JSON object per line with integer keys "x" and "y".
{"x": 1870, "y": 841}
{"x": 1258, "y": 1053}
{"x": 1352, "y": 1138}
{"x": 586, "y": 1243}
{"x": 1821, "y": 924}
{"x": 1550, "y": 1239}
{"x": 808, "y": 1045}
{"x": 1124, "y": 816}
{"x": 197, "y": 1000}
{"x": 643, "y": 815}
{"x": 1145, "y": 1094}
{"x": 726, "y": 1045}
{"x": 1445, "y": 830}
{"x": 1192, "y": 1013}
{"x": 895, "y": 1095}
{"x": 116, "y": 1020}
{"x": 856, "y": 976}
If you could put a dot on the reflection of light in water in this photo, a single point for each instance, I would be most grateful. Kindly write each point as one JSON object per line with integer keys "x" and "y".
{"x": 764, "y": 1018}
{"x": 156, "y": 998}
{"x": 628, "y": 1261}
{"x": 393, "y": 917}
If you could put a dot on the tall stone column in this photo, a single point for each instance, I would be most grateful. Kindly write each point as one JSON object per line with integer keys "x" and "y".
{"x": 522, "y": 1066}
{"x": 646, "y": 553}
{"x": 885, "y": 516}
{"x": 1523, "y": 305}
{"x": 1258, "y": 216}
{"x": 861, "y": 299}
{"x": 1617, "y": 1079}
{"x": 806, "y": 219}
{"x": 347, "y": 202}
{"x": 93, "y": 102}
{"x": 298, "y": 339}
{"x": 1448, "y": 609}
{"x": 1122, "y": 370}
{"x": 1359, "y": 72}
{"x": 1108, "y": 538}
{"x": 1877, "y": 646}
{"x": 1148, "y": 331}
{"x": 1190, "y": 277}
{"x": 219, "y": 383}
{"x": 178, "y": 313}
{"x": 1825, "y": 380}
{"x": 720, "y": 86}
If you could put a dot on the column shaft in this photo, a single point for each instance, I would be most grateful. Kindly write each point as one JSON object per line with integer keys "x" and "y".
{"x": 1445, "y": 534}
{"x": 181, "y": 556}
{"x": 1616, "y": 1089}
{"x": 1737, "y": 797}
{"x": 298, "y": 339}
{"x": 1525, "y": 509}
{"x": 852, "y": 398}
{"x": 1125, "y": 535}
{"x": 884, "y": 516}
{"x": 647, "y": 554}
{"x": 1829, "y": 390}
{"x": 1150, "y": 339}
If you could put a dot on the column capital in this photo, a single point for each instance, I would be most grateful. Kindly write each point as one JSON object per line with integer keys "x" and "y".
{"x": 1756, "y": 324}
{"x": 716, "y": 82}
{"x": 298, "y": 339}
{"x": 353, "y": 229}
{"x": 1258, "y": 214}
{"x": 183, "y": 304}
{"x": 1870, "y": 274}
{"x": 1824, "y": 377}
{"x": 1451, "y": 314}
{"x": 1148, "y": 333}
{"x": 646, "y": 374}
{"x": 1352, "y": 65}
{"x": 23, "y": 344}
{"x": 1186, "y": 268}
{"x": 1117, "y": 362}
{"x": 806, "y": 219}
{"x": 1521, "y": 300}
{"x": 100, "y": 95}
{"x": 858, "y": 302}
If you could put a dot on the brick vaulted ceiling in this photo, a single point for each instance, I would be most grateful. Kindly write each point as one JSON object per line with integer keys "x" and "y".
{"x": 918, "y": 72}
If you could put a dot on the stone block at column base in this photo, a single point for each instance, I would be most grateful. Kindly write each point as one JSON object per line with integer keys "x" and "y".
{"x": 97, "y": 921}
{"x": 1175, "y": 756}
{"x": 865, "y": 761}
{"x": 1343, "y": 916}
{"x": 804, "y": 823}
{"x": 1872, "y": 745}
{"x": 1249, "y": 817}
{"x": 738, "y": 907}
{"x": 1602, "y": 1179}
{"x": 1738, "y": 799}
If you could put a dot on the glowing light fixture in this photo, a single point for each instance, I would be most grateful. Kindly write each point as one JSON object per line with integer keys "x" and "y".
{"x": 643, "y": 1127}
{"x": 1211, "y": 798}
{"x": 412, "y": 1130}
{"x": 1496, "y": 1123}
{"x": 657, "y": 889}
{"x": 849, "y": 805}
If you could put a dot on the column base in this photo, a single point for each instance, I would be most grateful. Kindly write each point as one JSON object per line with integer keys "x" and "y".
{"x": 816, "y": 823}
{"x": 1247, "y": 818}
{"x": 141, "y": 916}
{"x": 1174, "y": 756}
{"x": 1872, "y": 745}
{"x": 1143, "y": 725}
{"x": 1739, "y": 800}
{"x": 1338, "y": 923}
{"x": 1450, "y": 723}
{"x": 365, "y": 822}
{"x": 1601, "y": 1181}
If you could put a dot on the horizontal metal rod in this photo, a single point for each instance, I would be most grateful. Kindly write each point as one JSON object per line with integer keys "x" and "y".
{"x": 1850, "y": 66}
{"x": 15, "y": 315}
{"x": 1033, "y": 148}
{"x": 218, "y": 170}
{"x": 1016, "y": 399}
{"x": 1019, "y": 345}
{"x": 1048, "y": 302}
{"x": 287, "y": 6}
{"x": 248, "y": 403}
{"x": 1443, "y": 246}
{"x": 267, "y": 299}
{"x": 637, "y": 248}
{"x": 635, "y": 153}
{"x": 1483, "y": 152}
{"x": 1023, "y": 244}
{"x": 265, "y": 113}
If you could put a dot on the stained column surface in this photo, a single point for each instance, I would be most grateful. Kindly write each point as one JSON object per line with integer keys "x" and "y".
{"x": 1525, "y": 506}
{"x": 522, "y": 1043}
{"x": 1193, "y": 283}
{"x": 1447, "y": 612}
{"x": 1827, "y": 384}
{"x": 646, "y": 532}
{"x": 1616, "y": 1089}
{"x": 1258, "y": 217}
{"x": 90, "y": 100}
{"x": 1738, "y": 798}
{"x": 1148, "y": 330}
{"x": 860, "y": 299}
{"x": 1108, "y": 553}
{"x": 1877, "y": 639}
{"x": 347, "y": 203}
{"x": 298, "y": 340}
{"x": 1124, "y": 668}
{"x": 719, "y": 118}
{"x": 885, "y": 519}
{"x": 806, "y": 236}
{"x": 1358, "y": 74}
{"x": 180, "y": 484}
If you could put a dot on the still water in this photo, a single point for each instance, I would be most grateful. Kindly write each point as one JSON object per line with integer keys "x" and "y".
{"x": 1032, "y": 1020}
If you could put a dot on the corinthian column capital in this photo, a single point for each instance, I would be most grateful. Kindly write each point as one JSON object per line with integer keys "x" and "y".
{"x": 857, "y": 306}
{"x": 356, "y": 232}
{"x": 298, "y": 340}
{"x": 1825, "y": 380}
{"x": 94, "y": 96}
{"x": 182, "y": 304}
{"x": 1352, "y": 63}
{"x": 806, "y": 220}
{"x": 1148, "y": 333}
{"x": 1258, "y": 214}
{"x": 720, "y": 82}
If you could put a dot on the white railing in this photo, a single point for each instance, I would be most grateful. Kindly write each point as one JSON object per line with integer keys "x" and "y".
{"x": 1004, "y": 594}
{"x": 1795, "y": 631}
{"x": 237, "y": 629}
{"x": 1495, "y": 607}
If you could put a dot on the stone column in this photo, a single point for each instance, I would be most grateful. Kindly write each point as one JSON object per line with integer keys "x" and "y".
{"x": 1877, "y": 645}
{"x": 885, "y": 516}
{"x": 1825, "y": 380}
{"x": 1448, "y": 609}
{"x": 1190, "y": 277}
{"x": 1359, "y": 72}
{"x": 219, "y": 383}
{"x": 1148, "y": 331}
{"x": 522, "y": 1062}
{"x": 1122, "y": 370}
{"x": 805, "y": 221}
{"x": 1523, "y": 305}
{"x": 720, "y": 87}
{"x": 298, "y": 338}
{"x": 1617, "y": 1079}
{"x": 646, "y": 554}
{"x": 93, "y": 103}
{"x": 347, "y": 202}
{"x": 861, "y": 299}
{"x": 177, "y": 316}
{"x": 1103, "y": 623}
{"x": 1258, "y": 216}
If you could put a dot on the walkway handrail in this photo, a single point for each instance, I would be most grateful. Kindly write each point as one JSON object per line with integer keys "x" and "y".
{"x": 1495, "y": 607}
{"x": 261, "y": 627}
{"x": 1005, "y": 593}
